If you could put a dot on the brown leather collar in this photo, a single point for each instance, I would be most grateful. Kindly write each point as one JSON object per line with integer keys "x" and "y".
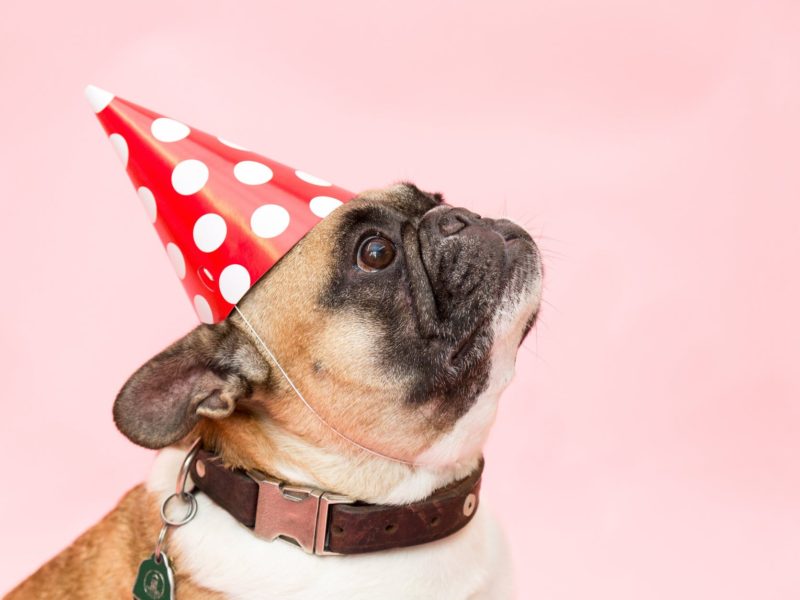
{"x": 325, "y": 523}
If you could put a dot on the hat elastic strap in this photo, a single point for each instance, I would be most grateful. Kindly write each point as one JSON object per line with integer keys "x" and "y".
{"x": 311, "y": 408}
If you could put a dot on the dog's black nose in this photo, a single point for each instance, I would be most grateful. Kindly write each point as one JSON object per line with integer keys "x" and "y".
{"x": 456, "y": 219}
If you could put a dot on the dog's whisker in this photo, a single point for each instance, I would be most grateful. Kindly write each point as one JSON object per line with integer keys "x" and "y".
{"x": 547, "y": 253}
{"x": 550, "y": 304}
{"x": 541, "y": 236}
{"x": 534, "y": 353}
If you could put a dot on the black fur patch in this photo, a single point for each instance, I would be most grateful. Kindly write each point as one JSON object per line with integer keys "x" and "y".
{"x": 436, "y": 301}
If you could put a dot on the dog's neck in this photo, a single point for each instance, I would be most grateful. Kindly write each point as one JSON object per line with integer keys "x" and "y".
{"x": 249, "y": 442}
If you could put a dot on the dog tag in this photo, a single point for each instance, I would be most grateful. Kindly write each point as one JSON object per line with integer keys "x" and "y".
{"x": 155, "y": 580}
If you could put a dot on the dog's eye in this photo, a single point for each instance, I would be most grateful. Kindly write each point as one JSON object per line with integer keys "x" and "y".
{"x": 374, "y": 254}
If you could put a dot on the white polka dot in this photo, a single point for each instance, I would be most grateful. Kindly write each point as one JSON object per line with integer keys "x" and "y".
{"x": 252, "y": 172}
{"x": 189, "y": 177}
{"x": 230, "y": 144}
{"x": 313, "y": 179}
{"x": 269, "y": 221}
{"x": 176, "y": 258}
{"x": 234, "y": 281}
{"x": 168, "y": 130}
{"x": 149, "y": 202}
{"x": 97, "y": 97}
{"x": 120, "y": 147}
{"x": 322, "y": 206}
{"x": 203, "y": 309}
{"x": 209, "y": 232}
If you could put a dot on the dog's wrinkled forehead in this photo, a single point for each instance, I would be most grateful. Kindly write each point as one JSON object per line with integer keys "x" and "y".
{"x": 403, "y": 202}
{"x": 405, "y": 198}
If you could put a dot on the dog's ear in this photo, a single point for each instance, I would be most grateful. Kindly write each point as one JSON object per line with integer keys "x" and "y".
{"x": 204, "y": 374}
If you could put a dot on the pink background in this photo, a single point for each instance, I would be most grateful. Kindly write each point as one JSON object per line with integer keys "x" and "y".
{"x": 649, "y": 445}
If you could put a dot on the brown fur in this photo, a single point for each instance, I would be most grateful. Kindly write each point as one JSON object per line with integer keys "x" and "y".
{"x": 103, "y": 562}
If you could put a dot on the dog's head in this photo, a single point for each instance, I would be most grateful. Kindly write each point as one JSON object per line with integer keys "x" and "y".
{"x": 398, "y": 317}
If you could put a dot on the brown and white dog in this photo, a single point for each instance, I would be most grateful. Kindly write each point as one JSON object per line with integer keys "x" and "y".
{"x": 399, "y": 317}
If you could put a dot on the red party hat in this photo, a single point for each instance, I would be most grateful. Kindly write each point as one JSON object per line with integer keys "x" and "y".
{"x": 224, "y": 214}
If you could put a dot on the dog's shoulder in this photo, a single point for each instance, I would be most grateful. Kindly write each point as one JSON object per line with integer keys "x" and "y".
{"x": 103, "y": 561}
{"x": 100, "y": 557}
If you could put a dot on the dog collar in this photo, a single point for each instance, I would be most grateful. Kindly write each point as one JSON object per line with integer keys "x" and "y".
{"x": 324, "y": 523}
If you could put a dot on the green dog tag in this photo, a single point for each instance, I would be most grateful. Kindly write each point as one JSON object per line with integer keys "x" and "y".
{"x": 155, "y": 580}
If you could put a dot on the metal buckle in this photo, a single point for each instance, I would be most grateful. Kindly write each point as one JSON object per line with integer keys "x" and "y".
{"x": 294, "y": 513}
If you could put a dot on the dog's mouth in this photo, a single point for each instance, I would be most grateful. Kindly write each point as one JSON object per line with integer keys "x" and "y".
{"x": 467, "y": 343}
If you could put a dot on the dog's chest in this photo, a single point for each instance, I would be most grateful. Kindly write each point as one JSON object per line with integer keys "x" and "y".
{"x": 220, "y": 554}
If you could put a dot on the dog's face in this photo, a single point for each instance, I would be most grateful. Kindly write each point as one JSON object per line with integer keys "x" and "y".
{"x": 398, "y": 317}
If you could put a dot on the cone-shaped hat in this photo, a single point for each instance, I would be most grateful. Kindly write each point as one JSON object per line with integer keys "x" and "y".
{"x": 224, "y": 214}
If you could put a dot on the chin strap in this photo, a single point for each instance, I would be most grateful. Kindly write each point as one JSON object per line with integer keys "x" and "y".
{"x": 311, "y": 408}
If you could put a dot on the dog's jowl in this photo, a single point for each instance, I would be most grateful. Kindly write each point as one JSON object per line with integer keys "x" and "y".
{"x": 341, "y": 411}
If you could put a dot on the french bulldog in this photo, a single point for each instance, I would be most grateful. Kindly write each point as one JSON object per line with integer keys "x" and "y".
{"x": 399, "y": 318}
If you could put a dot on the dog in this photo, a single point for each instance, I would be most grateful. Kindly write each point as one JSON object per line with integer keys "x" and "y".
{"x": 396, "y": 323}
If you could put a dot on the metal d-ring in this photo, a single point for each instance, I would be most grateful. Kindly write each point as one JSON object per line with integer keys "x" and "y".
{"x": 160, "y": 542}
{"x": 186, "y": 497}
{"x": 183, "y": 474}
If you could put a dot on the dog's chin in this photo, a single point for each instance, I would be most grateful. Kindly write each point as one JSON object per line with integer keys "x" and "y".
{"x": 462, "y": 445}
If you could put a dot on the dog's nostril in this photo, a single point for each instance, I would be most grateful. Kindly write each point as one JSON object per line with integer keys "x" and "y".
{"x": 456, "y": 219}
{"x": 452, "y": 224}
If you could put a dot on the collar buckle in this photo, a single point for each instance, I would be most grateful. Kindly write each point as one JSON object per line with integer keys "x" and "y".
{"x": 296, "y": 514}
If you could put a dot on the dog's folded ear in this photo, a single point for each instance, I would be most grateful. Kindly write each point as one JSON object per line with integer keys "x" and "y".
{"x": 204, "y": 374}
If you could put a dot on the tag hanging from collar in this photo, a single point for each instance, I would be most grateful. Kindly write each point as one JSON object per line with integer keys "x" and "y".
{"x": 156, "y": 579}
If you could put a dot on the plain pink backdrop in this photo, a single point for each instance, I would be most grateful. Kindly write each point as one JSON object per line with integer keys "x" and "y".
{"x": 648, "y": 447}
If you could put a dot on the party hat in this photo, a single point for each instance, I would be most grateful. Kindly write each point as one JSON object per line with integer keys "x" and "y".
{"x": 224, "y": 214}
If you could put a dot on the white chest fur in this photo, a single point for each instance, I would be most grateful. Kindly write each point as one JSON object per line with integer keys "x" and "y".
{"x": 223, "y": 555}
